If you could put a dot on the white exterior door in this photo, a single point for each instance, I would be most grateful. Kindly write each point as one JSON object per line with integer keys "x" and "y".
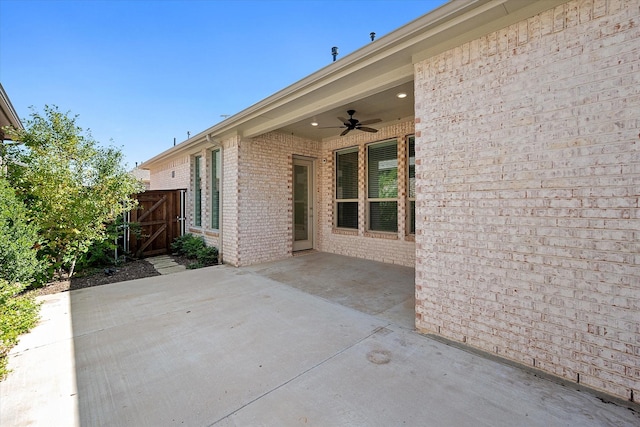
{"x": 302, "y": 204}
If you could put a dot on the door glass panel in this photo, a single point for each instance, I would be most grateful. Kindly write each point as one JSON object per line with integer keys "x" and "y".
{"x": 301, "y": 202}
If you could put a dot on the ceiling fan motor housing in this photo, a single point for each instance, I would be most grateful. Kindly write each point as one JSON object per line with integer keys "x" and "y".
{"x": 352, "y": 123}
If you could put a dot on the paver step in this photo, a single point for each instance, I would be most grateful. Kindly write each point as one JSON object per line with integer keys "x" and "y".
{"x": 164, "y": 264}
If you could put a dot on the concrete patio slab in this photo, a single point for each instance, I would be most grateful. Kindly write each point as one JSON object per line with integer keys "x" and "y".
{"x": 224, "y": 346}
{"x": 384, "y": 290}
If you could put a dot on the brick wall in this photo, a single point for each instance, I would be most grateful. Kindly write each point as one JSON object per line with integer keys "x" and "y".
{"x": 396, "y": 248}
{"x": 226, "y": 241}
{"x": 265, "y": 195}
{"x": 179, "y": 173}
{"x": 171, "y": 175}
{"x": 528, "y": 179}
{"x": 230, "y": 198}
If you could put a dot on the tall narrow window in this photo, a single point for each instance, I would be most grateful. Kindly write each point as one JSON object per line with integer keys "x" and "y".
{"x": 197, "y": 192}
{"x": 215, "y": 189}
{"x": 382, "y": 193}
{"x": 347, "y": 188}
{"x": 411, "y": 185}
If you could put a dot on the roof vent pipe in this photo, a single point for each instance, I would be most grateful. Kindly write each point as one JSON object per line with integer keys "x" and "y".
{"x": 334, "y": 52}
{"x": 174, "y": 142}
{"x": 372, "y": 35}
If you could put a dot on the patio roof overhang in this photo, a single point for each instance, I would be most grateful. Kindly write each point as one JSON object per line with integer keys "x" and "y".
{"x": 368, "y": 79}
{"x": 8, "y": 115}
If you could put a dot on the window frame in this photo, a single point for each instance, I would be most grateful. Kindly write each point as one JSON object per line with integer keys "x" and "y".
{"x": 370, "y": 200}
{"x": 197, "y": 191}
{"x": 411, "y": 217}
{"x": 337, "y": 200}
{"x": 216, "y": 173}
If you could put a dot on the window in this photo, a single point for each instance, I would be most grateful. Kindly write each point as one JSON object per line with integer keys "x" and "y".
{"x": 215, "y": 189}
{"x": 411, "y": 185}
{"x": 197, "y": 192}
{"x": 382, "y": 193}
{"x": 347, "y": 188}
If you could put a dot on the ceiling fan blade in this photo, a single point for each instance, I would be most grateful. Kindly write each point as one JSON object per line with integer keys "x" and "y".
{"x": 366, "y": 129}
{"x": 344, "y": 132}
{"x": 370, "y": 122}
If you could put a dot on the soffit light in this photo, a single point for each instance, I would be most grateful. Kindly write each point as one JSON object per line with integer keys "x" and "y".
{"x": 401, "y": 95}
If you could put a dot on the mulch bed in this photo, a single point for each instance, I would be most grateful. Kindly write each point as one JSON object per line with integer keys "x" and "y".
{"x": 129, "y": 271}
{"x": 135, "y": 269}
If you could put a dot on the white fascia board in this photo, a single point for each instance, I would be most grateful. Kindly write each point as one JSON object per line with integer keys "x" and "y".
{"x": 391, "y": 55}
{"x": 8, "y": 111}
{"x": 370, "y": 54}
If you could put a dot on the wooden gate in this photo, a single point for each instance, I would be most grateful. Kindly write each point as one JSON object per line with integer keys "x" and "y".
{"x": 157, "y": 221}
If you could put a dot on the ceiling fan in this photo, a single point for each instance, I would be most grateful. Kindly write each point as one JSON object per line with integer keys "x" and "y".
{"x": 351, "y": 124}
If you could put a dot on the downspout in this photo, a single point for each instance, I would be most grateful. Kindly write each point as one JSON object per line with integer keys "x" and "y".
{"x": 220, "y": 210}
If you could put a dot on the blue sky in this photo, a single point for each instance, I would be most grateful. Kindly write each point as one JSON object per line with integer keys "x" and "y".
{"x": 141, "y": 73}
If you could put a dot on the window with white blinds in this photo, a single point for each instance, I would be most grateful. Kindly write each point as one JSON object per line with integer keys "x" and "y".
{"x": 347, "y": 188}
{"x": 382, "y": 186}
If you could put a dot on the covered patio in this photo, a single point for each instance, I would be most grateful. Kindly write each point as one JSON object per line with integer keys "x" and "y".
{"x": 317, "y": 339}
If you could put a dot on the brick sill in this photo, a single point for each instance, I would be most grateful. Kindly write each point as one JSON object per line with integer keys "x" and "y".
{"x": 345, "y": 232}
{"x": 381, "y": 235}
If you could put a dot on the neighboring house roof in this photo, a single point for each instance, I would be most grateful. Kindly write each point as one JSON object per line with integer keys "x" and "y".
{"x": 8, "y": 115}
{"x": 368, "y": 79}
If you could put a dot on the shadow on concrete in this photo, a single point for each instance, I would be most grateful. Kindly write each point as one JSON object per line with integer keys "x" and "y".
{"x": 379, "y": 289}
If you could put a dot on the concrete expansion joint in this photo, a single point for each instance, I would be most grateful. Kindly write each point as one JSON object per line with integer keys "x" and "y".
{"x": 377, "y": 330}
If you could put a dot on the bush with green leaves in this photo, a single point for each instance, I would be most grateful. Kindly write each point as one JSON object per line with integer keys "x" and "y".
{"x": 194, "y": 247}
{"x": 18, "y": 240}
{"x": 18, "y": 314}
{"x": 108, "y": 251}
{"x": 71, "y": 186}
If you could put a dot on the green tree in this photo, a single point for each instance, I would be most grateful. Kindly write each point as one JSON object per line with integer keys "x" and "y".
{"x": 71, "y": 186}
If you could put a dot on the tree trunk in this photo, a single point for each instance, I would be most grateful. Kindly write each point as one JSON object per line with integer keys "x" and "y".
{"x": 73, "y": 267}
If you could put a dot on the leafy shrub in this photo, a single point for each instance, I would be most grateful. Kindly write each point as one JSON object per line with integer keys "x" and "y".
{"x": 19, "y": 267}
{"x": 103, "y": 252}
{"x": 18, "y": 242}
{"x": 18, "y": 314}
{"x": 194, "y": 247}
{"x": 208, "y": 255}
{"x": 178, "y": 243}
